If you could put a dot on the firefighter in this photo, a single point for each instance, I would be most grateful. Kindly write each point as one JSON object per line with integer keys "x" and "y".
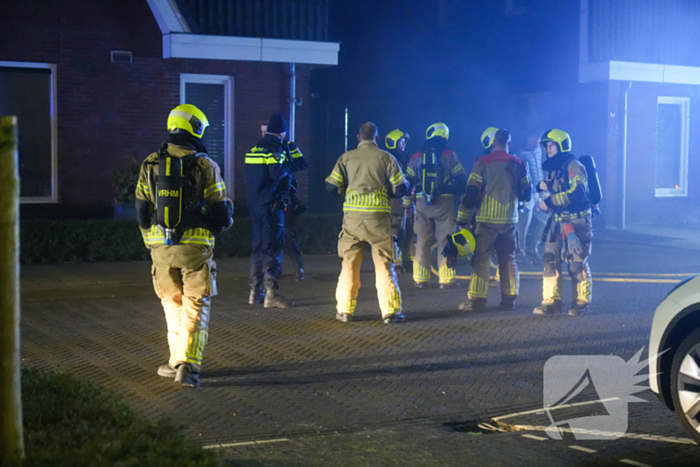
{"x": 569, "y": 233}
{"x": 401, "y": 210}
{"x": 184, "y": 273}
{"x": 367, "y": 177}
{"x": 437, "y": 176}
{"x": 296, "y": 161}
{"x": 497, "y": 182}
{"x": 269, "y": 182}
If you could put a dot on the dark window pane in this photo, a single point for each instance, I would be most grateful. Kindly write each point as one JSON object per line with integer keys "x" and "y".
{"x": 211, "y": 99}
{"x": 26, "y": 93}
{"x": 668, "y": 146}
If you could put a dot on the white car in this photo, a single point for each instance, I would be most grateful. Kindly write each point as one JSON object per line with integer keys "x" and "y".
{"x": 675, "y": 340}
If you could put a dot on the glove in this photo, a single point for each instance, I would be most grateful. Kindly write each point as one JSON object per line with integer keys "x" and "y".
{"x": 573, "y": 244}
{"x": 450, "y": 252}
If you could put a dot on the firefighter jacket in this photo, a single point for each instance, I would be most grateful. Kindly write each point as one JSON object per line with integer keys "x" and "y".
{"x": 567, "y": 181}
{"x": 268, "y": 169}
{"x": 206, "y": 188}
{"x": 498, "y": 180}
{"x": 367, "y": 176}
{"x": 454, "y": 176}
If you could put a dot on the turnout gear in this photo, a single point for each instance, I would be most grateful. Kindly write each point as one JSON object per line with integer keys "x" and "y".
{"x": 401, "y": 224}
{"x": 187, "y": 118}
{"x": 437, "y": 130}
{"x": 394, "y": 137}
{"x": 438, "y": 177}
{"x": 561, "y": 138}
{"x": 568, "y": 235}
{"x": 461, "y": 243}
{"x": 595, "y": 193}
{"x": 497, "y": 183}
{"x": 184, "y": 273}
{"x": 487, "y": 137}
{"x": 367, "y": 177}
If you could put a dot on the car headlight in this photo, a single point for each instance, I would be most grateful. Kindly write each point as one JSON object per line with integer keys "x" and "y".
{"x": 681, "y": 283}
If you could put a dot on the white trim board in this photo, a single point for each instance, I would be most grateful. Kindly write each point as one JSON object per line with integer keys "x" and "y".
{"x": 635, "y": 71}
{"x": 168, "y": 16}
{"x": 249, "y": 49}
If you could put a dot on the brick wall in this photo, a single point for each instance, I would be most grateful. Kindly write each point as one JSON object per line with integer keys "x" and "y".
{"x": 106, "y": 110}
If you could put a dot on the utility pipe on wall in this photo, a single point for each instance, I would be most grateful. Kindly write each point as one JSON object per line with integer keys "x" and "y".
{"x": 292, "y": 99}
{"x": 623, "y": 169}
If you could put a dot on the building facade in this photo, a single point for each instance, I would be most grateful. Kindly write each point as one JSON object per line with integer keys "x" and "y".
{"x": 92, "y": 83}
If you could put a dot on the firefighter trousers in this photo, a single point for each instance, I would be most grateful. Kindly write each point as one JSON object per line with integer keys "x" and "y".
{"x": 503, "y": 238}
{"x": 579, "y": 269}
{"x": 360, "y": 230}
{"x": 433, "y": 222}
{"x": 184, "y": 278}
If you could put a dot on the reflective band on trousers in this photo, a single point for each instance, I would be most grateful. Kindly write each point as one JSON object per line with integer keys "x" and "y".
{"x": 196, "y": 236}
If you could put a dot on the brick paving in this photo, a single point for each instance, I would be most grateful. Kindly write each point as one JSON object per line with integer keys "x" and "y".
{"x": 300, "y": 374}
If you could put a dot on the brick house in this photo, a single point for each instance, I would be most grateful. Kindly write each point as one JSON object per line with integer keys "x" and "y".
{"x": 92, "y": 81}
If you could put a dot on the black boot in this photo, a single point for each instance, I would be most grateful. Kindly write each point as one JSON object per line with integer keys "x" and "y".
{"x": 578, "y": 309}
{"x": 274, "y": 300}
{"x": 507, "y": 302}
{"x": 548, "y": 309}
{"x": 256, "y": 296}
{"x": 167, "y": 371}
{"x": 187, "y": 376}
{"x": 477, "y": 305}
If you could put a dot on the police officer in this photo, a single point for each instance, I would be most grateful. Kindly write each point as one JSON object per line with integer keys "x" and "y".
{"x": 184, "y": 273}
{"x": 569, "y": 232}
{"x": 296, "y": 161}
{"x": 498, "y": 180}
{"x": 438, "y": 177}
{"x": 402, "y": 210}
{"x": 268, "y": 179}
{"x": 367, "y": 177}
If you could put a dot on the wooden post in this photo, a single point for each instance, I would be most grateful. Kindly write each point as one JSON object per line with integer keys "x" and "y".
{"x": 10, "y": 384}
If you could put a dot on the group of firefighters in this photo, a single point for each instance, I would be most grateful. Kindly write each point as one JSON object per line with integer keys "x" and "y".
{"x": 398, "y": 205}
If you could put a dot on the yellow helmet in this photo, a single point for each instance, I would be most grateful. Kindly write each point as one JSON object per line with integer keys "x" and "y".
{"x": 562, "y": 139}
{"x": 487, "y": 137}
{"x": 187, "y": 117}
{"x": 394, "y": 137}
{"x": 437, "y": 129}
{"x": 465, "y": 242}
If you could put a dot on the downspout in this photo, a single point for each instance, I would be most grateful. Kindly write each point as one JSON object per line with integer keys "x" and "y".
{"x": 623, "y": 170}
{"x": 292, "y": 99}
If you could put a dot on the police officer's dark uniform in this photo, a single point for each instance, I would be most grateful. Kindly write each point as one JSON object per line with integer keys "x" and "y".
{"x": 292, "y": 212}
{"x": 268, "y": 181}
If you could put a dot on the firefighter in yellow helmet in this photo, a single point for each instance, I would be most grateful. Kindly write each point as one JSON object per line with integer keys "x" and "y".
{"x": 437, "y": 177}
{"x": 497, "y": 182}
{"x": 402, "y": 210}
{"x": 181, "y": 204}
{"x": 367, "y": 177}
{"x": 569, "y": 233}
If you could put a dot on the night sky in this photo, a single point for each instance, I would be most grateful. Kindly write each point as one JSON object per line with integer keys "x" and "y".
{"x": 411, "y": 64}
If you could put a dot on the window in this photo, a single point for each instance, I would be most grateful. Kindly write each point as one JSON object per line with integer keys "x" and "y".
{"x": 28, "y": 90}
{"x": 212, "y": 94}
{"x": 672, "y": 134}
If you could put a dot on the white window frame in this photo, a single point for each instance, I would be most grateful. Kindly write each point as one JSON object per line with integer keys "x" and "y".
{"x": 54, "y": 131}
{"x": 684, "y": 102}
{"x": 227, "y": 81}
